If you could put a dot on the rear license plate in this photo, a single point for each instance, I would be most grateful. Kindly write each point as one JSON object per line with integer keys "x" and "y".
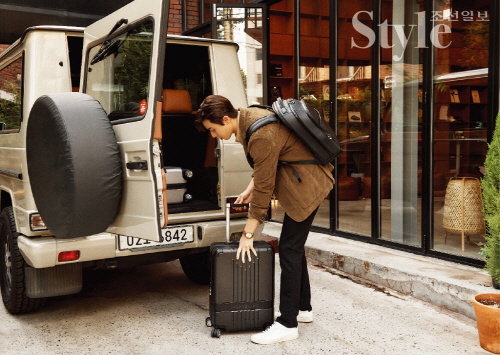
{"x": 169, "y": 236}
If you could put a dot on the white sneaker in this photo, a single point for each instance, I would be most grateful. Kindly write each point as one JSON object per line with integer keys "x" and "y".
{"x": 274, "y": 334}
{"x": 302, "y": 317}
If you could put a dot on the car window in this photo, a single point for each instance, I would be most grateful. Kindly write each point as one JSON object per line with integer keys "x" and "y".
{"x": 75, "y": 46}
{"x": 11, "y": 84}
{"x": 188, "y": 68}
{"x": 118, "y": 75}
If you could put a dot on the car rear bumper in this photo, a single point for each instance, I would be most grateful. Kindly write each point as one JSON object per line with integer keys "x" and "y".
{"x": 42, "y": 252}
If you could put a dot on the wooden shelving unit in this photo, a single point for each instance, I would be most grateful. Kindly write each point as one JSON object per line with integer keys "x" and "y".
{"x": 460, "y": 132}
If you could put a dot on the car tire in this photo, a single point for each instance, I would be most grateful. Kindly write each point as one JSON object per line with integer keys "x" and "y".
{"x": 74, "y": 164}
{"x": 12, "y": 266}
{"x": 197, "y": 267}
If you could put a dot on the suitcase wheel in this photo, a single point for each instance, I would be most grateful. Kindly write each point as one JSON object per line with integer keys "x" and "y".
{"x": 208, "y": 322}
{"x": 216, "y": 333}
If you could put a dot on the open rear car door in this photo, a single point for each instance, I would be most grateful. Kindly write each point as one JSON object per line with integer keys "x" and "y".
{"x": 123, "y": 69}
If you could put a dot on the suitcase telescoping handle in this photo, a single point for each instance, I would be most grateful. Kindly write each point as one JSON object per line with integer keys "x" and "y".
{"x": 228, "y": 216}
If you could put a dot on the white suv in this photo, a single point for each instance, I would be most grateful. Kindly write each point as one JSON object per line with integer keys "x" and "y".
{"x": 89, "y": 144}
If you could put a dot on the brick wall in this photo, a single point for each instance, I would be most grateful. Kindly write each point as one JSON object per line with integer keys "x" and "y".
{"x": 175, "y": 15}
{"x": 193, "y": 13}
{"x": 3, "y": 47}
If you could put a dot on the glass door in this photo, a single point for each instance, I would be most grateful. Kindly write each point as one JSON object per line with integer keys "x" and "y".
{"x": 246, "y": 26}
{"x": 460, "y": 127}
{"x": 419, "y": 156}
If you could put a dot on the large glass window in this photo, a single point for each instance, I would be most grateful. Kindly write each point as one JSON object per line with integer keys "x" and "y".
{"x": 243, "y": 25}
{"x": 461, "y": 118}
{"x": 282, "y": 59}
{"x": 282, "y": 50}
{"x": 314, "y": 70}
{"x": 119, "y": 72}
{"x": 401, "y": 74}
{"x": 459, "y": 45}
{"x": 354, "y": 94}
{"x": 11, "y": 83}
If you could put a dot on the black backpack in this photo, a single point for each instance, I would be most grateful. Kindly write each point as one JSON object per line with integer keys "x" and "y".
{"x": 306, "y": 123}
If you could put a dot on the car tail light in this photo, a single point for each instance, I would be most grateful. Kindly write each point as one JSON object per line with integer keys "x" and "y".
{"x": 143, "y": 106}
{"x": 37, "y": 223}
{"x": 236, "y": 209}
{"x": 69, "y": 255}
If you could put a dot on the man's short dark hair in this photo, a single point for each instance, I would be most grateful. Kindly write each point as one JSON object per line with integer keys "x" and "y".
{"x": 214, "y": 108}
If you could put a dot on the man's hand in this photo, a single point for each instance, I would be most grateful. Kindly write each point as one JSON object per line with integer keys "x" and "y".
{"x": 245, "y": 196}
{"x": 246, "y": 245}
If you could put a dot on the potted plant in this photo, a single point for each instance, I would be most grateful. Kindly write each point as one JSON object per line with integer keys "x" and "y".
{"x": 487, "y": 305}
{"x": 487, "y": 309}
{"x": 491, "y": 201}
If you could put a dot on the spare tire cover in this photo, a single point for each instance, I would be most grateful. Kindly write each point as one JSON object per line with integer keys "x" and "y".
{"x": 74, "y": 164}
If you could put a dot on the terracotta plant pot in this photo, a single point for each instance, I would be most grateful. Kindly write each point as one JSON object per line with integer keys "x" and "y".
{"x": 488, "y": 321}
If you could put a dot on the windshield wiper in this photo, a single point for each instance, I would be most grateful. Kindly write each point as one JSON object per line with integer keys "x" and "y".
{"x": 108, "y": 47}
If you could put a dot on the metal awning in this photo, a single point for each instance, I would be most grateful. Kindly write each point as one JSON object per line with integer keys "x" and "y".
{"x": 17, "y": 15}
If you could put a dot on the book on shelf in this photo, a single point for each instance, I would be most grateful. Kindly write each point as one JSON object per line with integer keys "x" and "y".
{"x": 276, "y": 70}
{"x": 443, "y": 113}
{"x": 476, "y": 99}
{"x": 454, "y": 96}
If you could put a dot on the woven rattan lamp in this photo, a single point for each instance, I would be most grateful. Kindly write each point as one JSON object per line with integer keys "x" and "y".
{"x": 463, "y": 208}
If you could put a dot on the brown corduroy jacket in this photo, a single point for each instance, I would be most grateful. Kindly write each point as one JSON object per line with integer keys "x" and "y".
{"x": 267, "y": 146}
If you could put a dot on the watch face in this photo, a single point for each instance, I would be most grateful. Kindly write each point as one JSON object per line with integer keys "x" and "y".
{"x": 249, "y": 235}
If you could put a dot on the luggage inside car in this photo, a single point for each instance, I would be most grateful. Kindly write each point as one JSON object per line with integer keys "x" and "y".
{"x": 177, "y": 179}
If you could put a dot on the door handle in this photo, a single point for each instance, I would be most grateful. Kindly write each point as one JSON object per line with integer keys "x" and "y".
{"x": 138, "y": 165}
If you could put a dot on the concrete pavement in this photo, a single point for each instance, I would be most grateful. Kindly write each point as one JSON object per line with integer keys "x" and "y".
{"x": 441, "y": 283}
{"x": 155, "y": 309}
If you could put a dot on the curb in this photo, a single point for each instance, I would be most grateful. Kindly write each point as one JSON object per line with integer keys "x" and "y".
{"x": 440, "y": 283}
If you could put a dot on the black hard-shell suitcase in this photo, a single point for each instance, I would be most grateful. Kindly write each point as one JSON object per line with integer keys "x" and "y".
{"x": 241, "y": 294}
{"x": 176, "y": 184}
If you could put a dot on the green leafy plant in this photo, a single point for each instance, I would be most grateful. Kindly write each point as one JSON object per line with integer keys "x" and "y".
{"x": 132, "y": 69}
{"x": 491, "y": 202}
{"x": 10, "y": 109}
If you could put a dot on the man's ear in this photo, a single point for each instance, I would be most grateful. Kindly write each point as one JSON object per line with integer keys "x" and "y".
{"x": 226, "y": 120}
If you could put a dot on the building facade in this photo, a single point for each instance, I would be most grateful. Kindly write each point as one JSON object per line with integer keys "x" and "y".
{"x": 412, "y": 90}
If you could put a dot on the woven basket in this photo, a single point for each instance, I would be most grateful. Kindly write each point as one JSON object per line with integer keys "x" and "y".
{"x": 463, "y": 207}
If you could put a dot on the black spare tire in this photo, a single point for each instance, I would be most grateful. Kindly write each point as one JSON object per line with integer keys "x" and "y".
{"x": 74, "y": 164}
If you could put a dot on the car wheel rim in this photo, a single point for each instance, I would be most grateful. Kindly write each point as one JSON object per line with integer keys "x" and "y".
{"x": 8, "y": 265}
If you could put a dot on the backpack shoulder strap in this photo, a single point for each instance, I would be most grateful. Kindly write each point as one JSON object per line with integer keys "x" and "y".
{"x": 262, "y": 106}
{"x": 261, "y": 122}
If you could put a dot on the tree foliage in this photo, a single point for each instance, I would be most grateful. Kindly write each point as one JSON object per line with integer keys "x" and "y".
{"x": 491, "y": 201}
{"x": 10, "y": 109}
{"x": 132, "y": 71}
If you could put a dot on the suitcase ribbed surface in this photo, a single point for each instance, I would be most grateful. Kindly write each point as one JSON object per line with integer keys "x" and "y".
{"x": 241, "y": 295}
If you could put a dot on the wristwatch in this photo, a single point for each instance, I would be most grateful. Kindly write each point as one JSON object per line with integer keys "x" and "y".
{"x": 248, "y": 235}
